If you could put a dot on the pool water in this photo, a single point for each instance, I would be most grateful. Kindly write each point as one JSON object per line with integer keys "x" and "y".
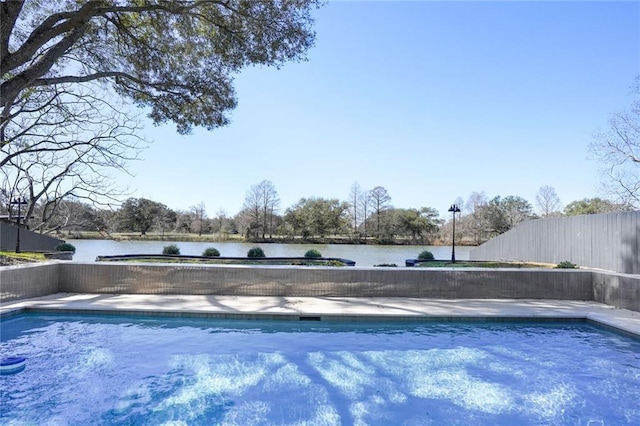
{"x": 152, "y": 371}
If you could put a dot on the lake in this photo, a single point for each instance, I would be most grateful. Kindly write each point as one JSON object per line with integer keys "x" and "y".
{"x": 363, "y": 255}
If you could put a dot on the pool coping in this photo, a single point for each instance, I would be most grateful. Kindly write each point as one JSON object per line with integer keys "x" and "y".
{"x": 330, "y": 308}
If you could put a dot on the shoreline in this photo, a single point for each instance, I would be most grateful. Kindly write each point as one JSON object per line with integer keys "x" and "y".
{"x": 235, "y": 238}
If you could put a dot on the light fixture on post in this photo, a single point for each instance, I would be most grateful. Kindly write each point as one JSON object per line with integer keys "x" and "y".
{"x": 20, "y": 201}
{"x": 454, "y": 209}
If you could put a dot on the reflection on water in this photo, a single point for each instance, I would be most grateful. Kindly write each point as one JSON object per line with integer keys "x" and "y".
{"x": 363, "y": 255}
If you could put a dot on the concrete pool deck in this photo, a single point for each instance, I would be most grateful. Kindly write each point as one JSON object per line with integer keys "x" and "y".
{"x": 328, "y": 308}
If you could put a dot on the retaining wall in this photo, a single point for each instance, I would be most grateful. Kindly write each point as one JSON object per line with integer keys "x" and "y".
{"x": 22, "y": 282}
{"x": 324, "y": 282}
{"x": 619, "y": 290}
{"x": 18, "y": 282}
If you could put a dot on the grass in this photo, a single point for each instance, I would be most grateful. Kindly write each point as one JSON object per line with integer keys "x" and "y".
{"x": 13, "y": 258}
{"x": 480, "y": 264}
{"x": 25, "y": 255}
{"x": 240, "y": 261}
{"x": 10, "y": 258}
{"x": 312, "y": 262}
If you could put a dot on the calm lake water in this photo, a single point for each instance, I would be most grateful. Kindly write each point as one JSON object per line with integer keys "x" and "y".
{"x": 363, "y": 255}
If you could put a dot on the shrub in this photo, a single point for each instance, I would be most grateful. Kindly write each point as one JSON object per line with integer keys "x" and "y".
{"x": 255, "y": 252}
{"x": 566, "y": 265}
{"x": 65, "y": 247}
{"x": 211, "y": 252}
{"x": 426, "y": 255}
{"x": 171, "y": 249}
{"x": 313, "y": 253}
{"x": 394, "y": 265}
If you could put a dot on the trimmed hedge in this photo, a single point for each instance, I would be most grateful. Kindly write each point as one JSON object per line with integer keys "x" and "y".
{"x": 171, "y": 249}
{"x": 255, "y": 252}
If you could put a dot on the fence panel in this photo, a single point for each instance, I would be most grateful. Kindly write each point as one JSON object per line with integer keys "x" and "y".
{"x": 605, "y": 241}
{"x": 29, "y": 240}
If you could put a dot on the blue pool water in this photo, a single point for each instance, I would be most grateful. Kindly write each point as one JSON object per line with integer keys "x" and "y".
{"x": 113, "y": 370}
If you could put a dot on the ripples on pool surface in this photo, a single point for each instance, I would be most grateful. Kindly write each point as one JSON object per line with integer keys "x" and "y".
{"x": 104, "y": 370}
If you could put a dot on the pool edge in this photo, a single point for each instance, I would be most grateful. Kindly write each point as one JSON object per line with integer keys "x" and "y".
{"x": 588, "y": 318}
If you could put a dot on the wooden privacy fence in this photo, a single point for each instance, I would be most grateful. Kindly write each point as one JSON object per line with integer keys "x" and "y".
{"x": 604, "y": 241}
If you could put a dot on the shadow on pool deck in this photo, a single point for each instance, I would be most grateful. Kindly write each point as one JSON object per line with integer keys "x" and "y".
{"x": 334, "y": 308}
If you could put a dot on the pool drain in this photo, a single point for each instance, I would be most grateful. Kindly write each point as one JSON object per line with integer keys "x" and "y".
{"x": 308, "y": 318}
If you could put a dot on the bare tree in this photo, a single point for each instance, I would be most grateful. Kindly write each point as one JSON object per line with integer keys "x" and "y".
{"x": 199, "y": 212}
{"x": 184, "y": 221}
{"x": 548, "y": 202}
{"x": 380, "y": 199}
{"x": 70, "y": 215}
{"x": 251, "y": 210}
{"x": 166, "y": 219}
{"x": 220, "y": 221}
{"x": 364, "y": 208}
{"x": 355, "y": 195}
{"x": 270, "y": 202}
{"x": 475, "y": 223}
{"x": 618, "y": 149}
{"x": 67, "y": 147}
{"x": 65, "y": 65}
{"x": 260, "y": 205}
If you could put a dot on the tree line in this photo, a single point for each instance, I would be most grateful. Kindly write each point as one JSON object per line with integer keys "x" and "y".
{"x": 366, "y": 216}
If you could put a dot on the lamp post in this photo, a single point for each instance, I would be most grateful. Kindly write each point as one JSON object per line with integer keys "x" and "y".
{"x": 20, "y": 201}
{"x": 454, "y": 209}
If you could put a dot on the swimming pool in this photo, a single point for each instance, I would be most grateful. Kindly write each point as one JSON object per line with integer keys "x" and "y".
{"x": 107, "y": 370}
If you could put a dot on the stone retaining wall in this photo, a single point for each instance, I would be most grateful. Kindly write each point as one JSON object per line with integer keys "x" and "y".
{"x": 478, "y": 283}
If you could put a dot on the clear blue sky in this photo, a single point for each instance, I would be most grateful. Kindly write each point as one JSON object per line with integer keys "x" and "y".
{"x": 431, "y": 100}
